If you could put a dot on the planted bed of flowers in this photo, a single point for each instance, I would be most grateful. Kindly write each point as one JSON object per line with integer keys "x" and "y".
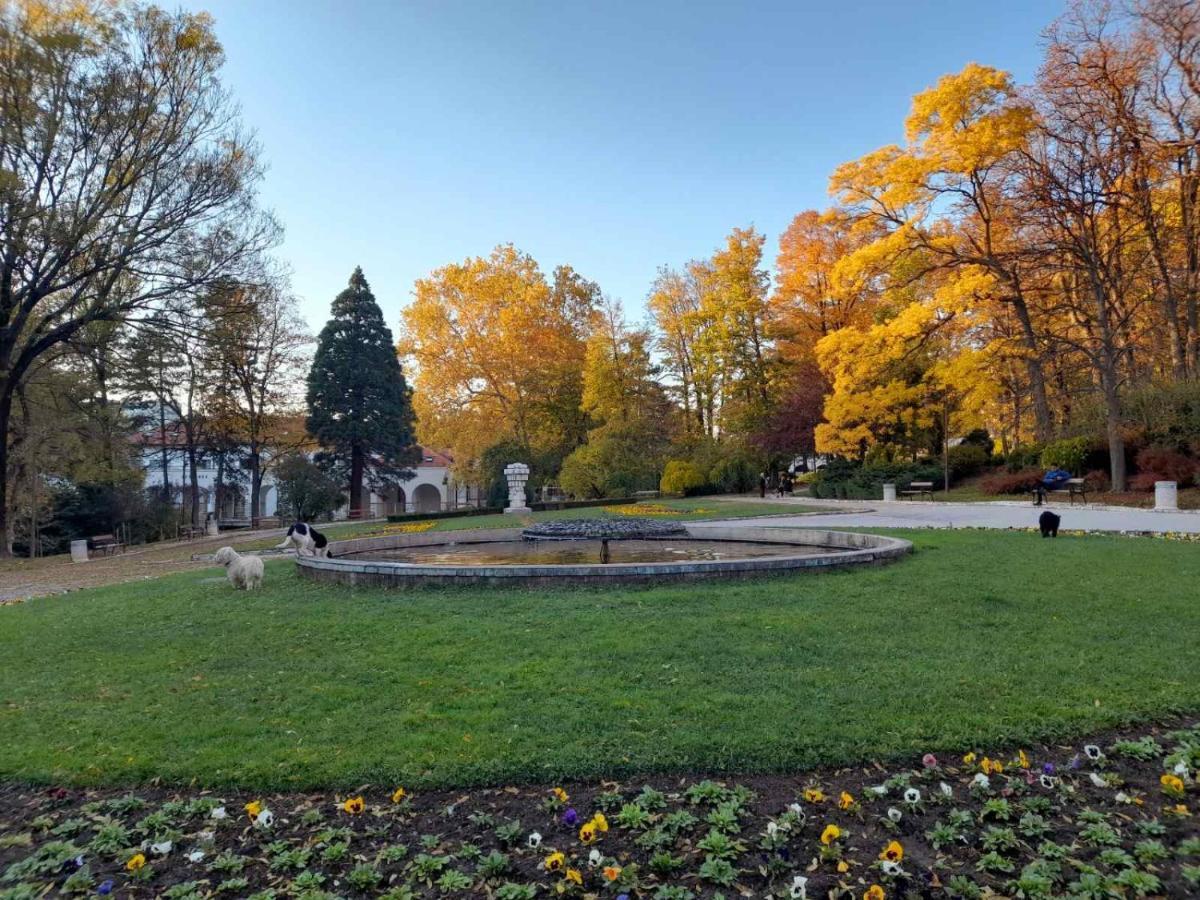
{"x": 1112, "y": 817}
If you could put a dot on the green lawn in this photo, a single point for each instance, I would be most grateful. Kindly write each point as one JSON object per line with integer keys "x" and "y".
{"x": 980, "y": 637}
{"x": 689, "y": 510}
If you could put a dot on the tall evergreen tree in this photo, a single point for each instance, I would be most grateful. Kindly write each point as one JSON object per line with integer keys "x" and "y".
{"x": 359, "y": 406}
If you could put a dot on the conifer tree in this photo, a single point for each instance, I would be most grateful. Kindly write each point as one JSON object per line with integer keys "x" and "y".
{"x": 359, "y": 405}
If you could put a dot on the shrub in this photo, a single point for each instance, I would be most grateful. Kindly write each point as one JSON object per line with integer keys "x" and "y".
{"x": 1010, "y": 482}
{"x": 1166, "y": 465}
{"x": 1143, "y": 481}
{"x": 681, "y": 477}
{"x": 966, "y": 460}
{"x": 305, "y": 492}
{"x": 1068, "y": 454}
{"x": 1023, "y": 456}
{"x": 844, "y": 479}
{"x": 1098, "y": 480}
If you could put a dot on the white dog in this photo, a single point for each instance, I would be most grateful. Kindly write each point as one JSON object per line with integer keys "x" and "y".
{"x": 245, "y": 572}
{"x": 307, "y": 541}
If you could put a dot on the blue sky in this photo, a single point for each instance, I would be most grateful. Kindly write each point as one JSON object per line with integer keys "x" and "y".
{"x": 614, "y": 136}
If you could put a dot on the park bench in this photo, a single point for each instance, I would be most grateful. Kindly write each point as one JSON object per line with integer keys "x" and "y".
{"x": 104, "y": 544}
{"x": 1074, "y": 487}
{"x": 918, "y": 489}
{"x": 647, "y": 495}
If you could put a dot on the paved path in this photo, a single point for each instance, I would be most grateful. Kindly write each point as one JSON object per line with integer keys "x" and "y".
{"x": 1001, "y": 514}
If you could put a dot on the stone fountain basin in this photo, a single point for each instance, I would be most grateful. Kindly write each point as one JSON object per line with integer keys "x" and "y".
{"x": 837, "y": 550}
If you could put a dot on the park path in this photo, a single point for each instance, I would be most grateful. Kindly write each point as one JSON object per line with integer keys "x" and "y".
{"x": 996, "y": 514}
{"x": 24, "y": 578}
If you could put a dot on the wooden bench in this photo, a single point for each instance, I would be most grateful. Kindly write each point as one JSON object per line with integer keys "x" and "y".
{"x": 104, "y": 544}
{"x": 1076, "y": 487}
{"x": 647, "y": 495}
{"x": 918, "y": 489}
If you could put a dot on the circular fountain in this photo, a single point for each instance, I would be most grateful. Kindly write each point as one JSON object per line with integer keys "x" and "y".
{"x": 596, "y": 551}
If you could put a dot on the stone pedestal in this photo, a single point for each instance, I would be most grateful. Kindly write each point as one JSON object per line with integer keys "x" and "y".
{"x": 79, "y": 551}
{"x": 517, "y": 475}
{"x": 1166, "y": 496}
{"x": 210, "y": 528}
{"x": 889, "y": 492}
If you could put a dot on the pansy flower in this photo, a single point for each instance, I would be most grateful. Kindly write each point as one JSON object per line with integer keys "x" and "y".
{"x": 353, "y": 805}
{"x": 560, "y": 795}
{"x": 555, "y": 862}
{"x": 535, "y": 840}
{"x": 253, "y": 808}
{"x": 612, "y": 873}
{"x": 575, "y": 875}
{"x": 399, "y": 794}
{"x": 830, "y": 834}
{"x": 846, "y": 800}
{"x": 799, "y": 890}
{"x": 587, "y": 834}
{"x": 874, "y": 892}
{"x": 814, "y": 795}
{"x": 570, "y": 817}
{"x": 135, "y": 863}
{"x": 600, "y": 822}
{"x": 893, "y": 852}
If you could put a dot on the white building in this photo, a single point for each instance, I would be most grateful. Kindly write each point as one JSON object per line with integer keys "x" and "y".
{"x": 431, "y": 488}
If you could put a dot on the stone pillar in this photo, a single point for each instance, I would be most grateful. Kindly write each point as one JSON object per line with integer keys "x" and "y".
{"x": 517, "y": 475}
{"x": 889, "y": 492}
{"x": 1166, "y": 496}
{"x": 79, "y": 551}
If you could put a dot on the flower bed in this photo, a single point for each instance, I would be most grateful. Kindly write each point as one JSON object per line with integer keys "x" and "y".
{"x": 1111, "y": 817}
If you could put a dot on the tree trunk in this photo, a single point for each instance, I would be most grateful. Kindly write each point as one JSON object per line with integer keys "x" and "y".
{"x": 356, "y": 482}
{"x": 255, "y": 485}
{"x": 1116, "y": 441}
{"x": 194, "y": 479}
{"x": 1043, "y": 422}
{"x": 6, "y": 525}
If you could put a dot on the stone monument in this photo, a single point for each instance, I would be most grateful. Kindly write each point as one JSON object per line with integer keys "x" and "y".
{"x": 517, "y": 475}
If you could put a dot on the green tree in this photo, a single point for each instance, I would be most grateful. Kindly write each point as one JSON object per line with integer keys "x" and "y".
{"x": 305, "y": 491}
{"x": 359, "y": 406}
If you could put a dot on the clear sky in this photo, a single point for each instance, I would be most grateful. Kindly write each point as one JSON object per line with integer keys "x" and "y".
{"x": 614, "y": 136}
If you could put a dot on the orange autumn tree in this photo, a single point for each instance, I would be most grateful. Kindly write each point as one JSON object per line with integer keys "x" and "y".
{"x": 497, "y": 353}
{"x": 899, "y": 384}
{"x": 944, "y": 201}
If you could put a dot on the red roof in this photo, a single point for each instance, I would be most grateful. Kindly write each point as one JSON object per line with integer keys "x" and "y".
{"x": 435, "y": 458}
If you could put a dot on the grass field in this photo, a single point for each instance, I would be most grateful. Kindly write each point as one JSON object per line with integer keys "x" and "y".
{"x": 979, "y": 637}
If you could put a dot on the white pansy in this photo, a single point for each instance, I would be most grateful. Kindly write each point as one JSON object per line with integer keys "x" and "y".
{"x": 981, "y": 780}
{"x": 894, "y": 814}
{"x": 195, "y": 856}
{"x": 1097, "y": 780}
{"x": 219, "y": 813}
{"x": 772, "y": 829}
{"x": 162, "y": 848}
{"x": 799, "y": 887}
{"x": 265, "y": 819}
{"x": 535, "y": 840}
{"x": 878, "y": 790}
{"x": 1048, "y": 782}
{"x": 946, "y": 790}
{"x": 890, "y": 868}
{"x": 1093, "y": 752}
{"x": 912, "y": 795}
{"x": 796, "y": 808}
{"x": 594, "y": 858}
{"x": 1181, "y": 769}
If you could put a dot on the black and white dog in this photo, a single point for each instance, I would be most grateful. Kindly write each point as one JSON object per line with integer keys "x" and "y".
{"x": 307, "y": 541}
{"x": 1049, "y": 523}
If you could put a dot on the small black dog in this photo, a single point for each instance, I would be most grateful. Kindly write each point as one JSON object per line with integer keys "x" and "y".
{"x": 1049, "y": 523}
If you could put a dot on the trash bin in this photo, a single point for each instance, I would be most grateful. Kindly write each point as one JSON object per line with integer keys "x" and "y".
{"x": 889, "y": 492}
{"x": 1166, "y": 495}
{"x": 79, "y": 551}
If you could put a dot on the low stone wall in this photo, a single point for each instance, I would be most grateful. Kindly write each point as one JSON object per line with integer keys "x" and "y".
{"x": 846, "y": 549}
